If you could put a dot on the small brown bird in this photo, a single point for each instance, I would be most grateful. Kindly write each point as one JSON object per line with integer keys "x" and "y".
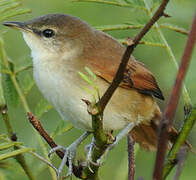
{"x": 61, "y": 46}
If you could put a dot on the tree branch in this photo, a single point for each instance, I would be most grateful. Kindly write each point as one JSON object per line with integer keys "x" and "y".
{"x": 37, "y": 125}
{"x": 131, "y": 159}
{"x": 167, "y": 119}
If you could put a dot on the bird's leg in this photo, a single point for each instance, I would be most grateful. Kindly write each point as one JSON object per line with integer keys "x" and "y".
{"x": 69, "y": 153}
{"x": 122, "y": 133}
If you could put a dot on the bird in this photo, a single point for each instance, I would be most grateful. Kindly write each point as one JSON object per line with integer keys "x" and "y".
{"x": 63, "y": 45}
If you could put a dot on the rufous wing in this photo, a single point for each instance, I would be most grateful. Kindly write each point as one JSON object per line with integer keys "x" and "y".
{"x": 136, "y": 76}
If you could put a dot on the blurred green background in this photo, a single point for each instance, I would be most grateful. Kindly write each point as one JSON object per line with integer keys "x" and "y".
{"x": 155, "y": 58}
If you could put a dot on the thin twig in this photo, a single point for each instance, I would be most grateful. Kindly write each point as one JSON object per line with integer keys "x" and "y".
{"x": 37, "y": 125}
{"x": 114, "y": 27}
{"x": 167, "y": 119}
{"x": 131, "y": 158}
{"x": 140, "y": 178}
{"x": 181, "y": 159}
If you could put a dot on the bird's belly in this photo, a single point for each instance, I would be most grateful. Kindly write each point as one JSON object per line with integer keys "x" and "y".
{"x": 61, "y": 89}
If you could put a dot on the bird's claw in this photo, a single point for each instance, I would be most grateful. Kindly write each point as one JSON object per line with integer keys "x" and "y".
{"x": 57, "y": 148}
{"x": 69, "y": 155}
{"x": 89, "y": 156}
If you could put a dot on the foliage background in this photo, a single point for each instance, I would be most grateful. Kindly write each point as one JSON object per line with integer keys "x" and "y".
{"x": 155, "y": 58}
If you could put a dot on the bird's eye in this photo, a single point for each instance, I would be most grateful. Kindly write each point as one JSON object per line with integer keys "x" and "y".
{"x": 48, "y": 33}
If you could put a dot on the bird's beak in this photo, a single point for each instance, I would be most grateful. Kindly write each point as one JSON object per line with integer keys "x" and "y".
{"x": 18, "y": 25}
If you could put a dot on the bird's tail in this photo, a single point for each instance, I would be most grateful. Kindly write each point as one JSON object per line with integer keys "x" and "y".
{"x": 146, "y": 135}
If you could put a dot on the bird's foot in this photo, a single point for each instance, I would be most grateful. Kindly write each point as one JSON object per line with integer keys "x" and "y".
{"x": 102, "y": 159}
{"x": 122, "y": 133}
{"x": 69, "y": 155}
{"x": 89, "y": 149}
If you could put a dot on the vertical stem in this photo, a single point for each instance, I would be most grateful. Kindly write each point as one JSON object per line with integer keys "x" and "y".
{"x": 131, "y": 159}
{"x": 167, "y": 119}
{"x": 3, "y": 110}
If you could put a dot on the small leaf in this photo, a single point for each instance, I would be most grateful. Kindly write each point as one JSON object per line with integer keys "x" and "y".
{"x": 42, "y": 107}
{"x": 26, "y": 65}
{"x": 105, "y": 2}
{"x": 2, "y": 99}
{"x": 118, "y": 27}
{"x": 174, "y": 28}
{"x": 5, "y": 2}
{"x": 92, "y": 74}
{"x": 85, "y": 78}
{"x": 10, "y": 7}
{"x": 6, "y": 145}
{"x": 89, "y": 91}
{"x": 61, "y": 128}
{"x": 9, "y": 91}
{"x": 14, "y": 13}
{"x": 14, "y": 153}
{"x": 27, "y": 83}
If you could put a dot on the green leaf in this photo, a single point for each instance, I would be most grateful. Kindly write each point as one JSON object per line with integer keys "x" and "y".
{"x": 62, "y": 128}
{"x": 24, "y": 67}
{"x": 27, "y": 83}
{"x": 135, "y": 6}
{"x": 14, "y": 13}
{"x": 9, "y": 8}
{"x": 6, "y": 145}
{"x": 118, "y": 27}
{"x": 2, "y": 99}
{"x": 92, "y": 83}
{"x": 105, "y": 2}
{"x": 147, "y": 43}
{"x": 5, "y": 2}
{"x": 14, "y": 153}
{"x": 9, "y": 91}
{"x": 92, "y": 74}
{"x": 89, "y": 91}
{"x": 42, "y": 107}
{"x": 85, "y": 78}
{"x": 174, "y": 28}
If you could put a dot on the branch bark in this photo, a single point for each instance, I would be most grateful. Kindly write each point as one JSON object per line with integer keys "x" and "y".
{"x": 38, "y": 126}
{"x": 131, "y": 159}
{"x": 167, "y": 119}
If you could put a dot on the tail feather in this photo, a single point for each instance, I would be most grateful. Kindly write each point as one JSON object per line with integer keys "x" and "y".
{"x": 146, "y": 135}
